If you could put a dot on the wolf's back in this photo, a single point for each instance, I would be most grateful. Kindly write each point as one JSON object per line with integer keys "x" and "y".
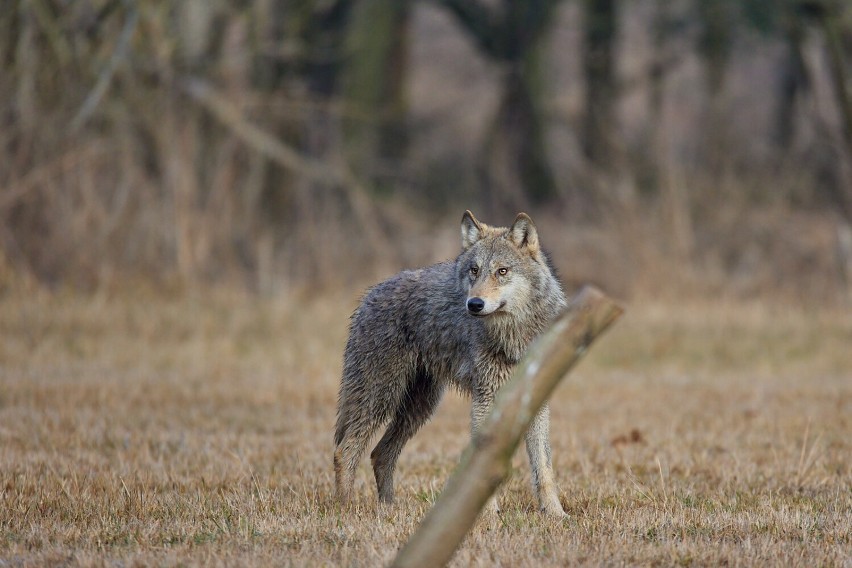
{"x": 406, "y": 303}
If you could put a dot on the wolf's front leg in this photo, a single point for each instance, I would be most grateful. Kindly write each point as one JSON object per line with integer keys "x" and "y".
{"x": 481, "y": 407}
{"x": 538, "y": 450}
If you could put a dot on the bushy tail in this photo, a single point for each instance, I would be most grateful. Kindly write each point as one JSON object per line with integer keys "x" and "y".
{"x": 340, "y": 426}
{"x": 343, "y": 404}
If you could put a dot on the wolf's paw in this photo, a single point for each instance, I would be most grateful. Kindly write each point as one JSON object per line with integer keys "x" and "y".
{"x": 555, "y": 514}
{"x": 553, "y": 508}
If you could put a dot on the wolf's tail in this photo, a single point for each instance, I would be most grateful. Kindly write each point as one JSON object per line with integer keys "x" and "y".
{"x": 340, "y": 427}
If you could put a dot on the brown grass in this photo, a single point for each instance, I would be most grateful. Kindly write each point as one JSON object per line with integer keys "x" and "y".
{"x": 144, "y": 429}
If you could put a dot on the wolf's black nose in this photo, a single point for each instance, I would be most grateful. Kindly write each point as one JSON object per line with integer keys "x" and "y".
{"x": 475, "y": 305}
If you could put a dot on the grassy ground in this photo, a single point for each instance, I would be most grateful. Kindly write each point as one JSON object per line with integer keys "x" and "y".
{"x": 198, "y": 431}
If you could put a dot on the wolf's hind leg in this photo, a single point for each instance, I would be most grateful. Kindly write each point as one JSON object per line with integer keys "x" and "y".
{"x": 357, "y": 421}
{"x": 538, "y": 450}
{"x": 347, "y": 454}
{"x": 415, "y": 408}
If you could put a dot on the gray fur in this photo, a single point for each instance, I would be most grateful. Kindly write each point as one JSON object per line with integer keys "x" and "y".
{"x": 413, "y": 335}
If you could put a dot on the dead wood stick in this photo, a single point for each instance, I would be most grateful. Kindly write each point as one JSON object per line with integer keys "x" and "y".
{"x": 486, "y": 462}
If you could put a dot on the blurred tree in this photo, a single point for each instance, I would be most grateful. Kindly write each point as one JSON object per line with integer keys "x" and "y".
{"x": 832, "y": 24}
{"x": 673, "y": 196}
{"x": 794, "y": 77}
{"x": 514, "y": 155}
{"x": 783, "y": 20}
{"x": 374, "y": 84}
{"x": 789, "y": 19}
{"x": 306, "y": 62}
{"x": 599, "y": 72}
{"x": 717, "y": 20}
{"x": 302, "y": 54}
{"x": 835, "y": 20}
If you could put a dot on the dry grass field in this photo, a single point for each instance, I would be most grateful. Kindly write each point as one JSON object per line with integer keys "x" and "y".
{"x": 143, "y": 429}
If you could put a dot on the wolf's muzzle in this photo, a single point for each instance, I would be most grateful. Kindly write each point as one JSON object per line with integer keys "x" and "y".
{"x": 475, "y": 305}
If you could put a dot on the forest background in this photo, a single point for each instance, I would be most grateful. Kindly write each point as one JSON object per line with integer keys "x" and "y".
{"x": 699, "y": 147}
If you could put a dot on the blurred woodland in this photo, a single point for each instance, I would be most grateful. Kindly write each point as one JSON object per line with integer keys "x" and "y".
{"x": 280, "y": 144}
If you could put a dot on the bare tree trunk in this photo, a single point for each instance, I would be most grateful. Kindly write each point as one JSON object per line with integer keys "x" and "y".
{"x": 844, "y": 257}
{"x": 794, "y": 81}
{"x": 514, "y": 153}
{"x": 673, "y": 195}
{"x": 830, "y": 22}
{"x": 599, "y": 72}
{"x": 487, "y": 460}
{"x": 714, "y": 47}
{"x": 374, "y": 83}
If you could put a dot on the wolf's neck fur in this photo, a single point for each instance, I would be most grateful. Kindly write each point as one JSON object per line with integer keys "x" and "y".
{"x": 512, "y": 333}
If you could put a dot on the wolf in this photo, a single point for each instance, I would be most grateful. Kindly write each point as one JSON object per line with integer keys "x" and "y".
{"x": 462, "y": 323}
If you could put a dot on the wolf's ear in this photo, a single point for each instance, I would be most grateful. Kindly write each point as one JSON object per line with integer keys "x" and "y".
{"x": 523, "y": 233}
{"x": 471, "y": 230}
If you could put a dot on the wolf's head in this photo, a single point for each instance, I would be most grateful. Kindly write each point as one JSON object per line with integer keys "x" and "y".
{"x": 504, "y": 270}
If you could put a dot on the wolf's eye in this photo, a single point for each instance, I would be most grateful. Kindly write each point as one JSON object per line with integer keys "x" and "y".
{"x": 502, "y": 271}
{"x": 474, "y": 270}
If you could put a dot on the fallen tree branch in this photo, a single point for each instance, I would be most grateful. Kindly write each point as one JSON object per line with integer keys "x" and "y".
{"x": 486, "y": 462}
